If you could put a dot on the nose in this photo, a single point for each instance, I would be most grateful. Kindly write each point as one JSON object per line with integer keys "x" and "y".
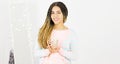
{"x": 55, "y": 15}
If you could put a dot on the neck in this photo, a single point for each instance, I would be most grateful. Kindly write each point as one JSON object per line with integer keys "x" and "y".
{"x": 59, "y": 26}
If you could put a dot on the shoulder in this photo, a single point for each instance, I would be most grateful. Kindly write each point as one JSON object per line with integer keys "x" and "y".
{"x": 71, "y": 31}
{"x": 72, "y": 34}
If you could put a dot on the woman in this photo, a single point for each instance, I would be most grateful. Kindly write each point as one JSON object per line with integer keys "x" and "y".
{"x": 57, "y": 43}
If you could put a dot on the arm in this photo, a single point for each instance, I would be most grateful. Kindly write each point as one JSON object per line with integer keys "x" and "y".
{"x": 72, "y": 52}
{"x": 39, "y": 52}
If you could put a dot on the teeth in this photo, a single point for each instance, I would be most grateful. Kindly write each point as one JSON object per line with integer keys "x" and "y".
{"x": 56, "y": 19}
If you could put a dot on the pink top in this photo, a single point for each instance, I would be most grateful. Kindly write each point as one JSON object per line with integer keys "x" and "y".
{"x": 68, "y": 43}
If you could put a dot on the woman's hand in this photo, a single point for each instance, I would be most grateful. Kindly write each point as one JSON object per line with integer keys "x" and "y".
{"x": 53, "y": 46}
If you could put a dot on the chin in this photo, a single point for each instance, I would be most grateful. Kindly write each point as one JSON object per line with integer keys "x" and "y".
{"x": 57, "y": 22}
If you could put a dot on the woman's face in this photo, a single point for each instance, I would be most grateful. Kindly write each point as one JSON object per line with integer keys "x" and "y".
{"x": 56, "y": 15}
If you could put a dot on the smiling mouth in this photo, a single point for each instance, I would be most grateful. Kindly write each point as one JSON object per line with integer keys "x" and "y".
{"x": 56, "y": 19}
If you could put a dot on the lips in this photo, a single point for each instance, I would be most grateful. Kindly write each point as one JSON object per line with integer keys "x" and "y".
{"x": 56, "y": 19}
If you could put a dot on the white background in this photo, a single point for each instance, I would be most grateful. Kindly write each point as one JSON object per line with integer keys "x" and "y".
{"x": 97, "y": 23}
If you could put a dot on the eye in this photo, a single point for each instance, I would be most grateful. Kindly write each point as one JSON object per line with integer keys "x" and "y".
{"x": 58, "y": 12}
{"x": 52, "y": 12}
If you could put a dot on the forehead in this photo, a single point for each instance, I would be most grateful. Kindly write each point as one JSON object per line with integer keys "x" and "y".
{"x": 56, "y": 8}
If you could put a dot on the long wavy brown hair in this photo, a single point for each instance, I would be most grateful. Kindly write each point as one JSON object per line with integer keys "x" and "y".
{"x": 45, "y": 31}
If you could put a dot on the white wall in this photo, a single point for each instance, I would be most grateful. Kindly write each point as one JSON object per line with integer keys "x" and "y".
{"x": 96, "y": 23}
{"x": 5, "y": 32}
{"x": 20, "y": 18}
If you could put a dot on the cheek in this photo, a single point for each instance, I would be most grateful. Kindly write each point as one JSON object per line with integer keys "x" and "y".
{"x": 51, "y": 17}
{"x": 61, "y": 16}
